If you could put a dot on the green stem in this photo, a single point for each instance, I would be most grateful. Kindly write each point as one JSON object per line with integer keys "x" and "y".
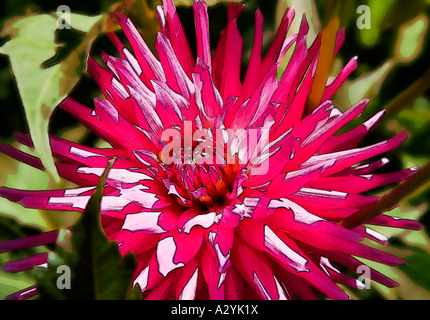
{"x": 388, "y": 201}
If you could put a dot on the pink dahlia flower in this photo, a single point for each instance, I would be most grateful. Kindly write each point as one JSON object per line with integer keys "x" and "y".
{"x": 223, "y": 188}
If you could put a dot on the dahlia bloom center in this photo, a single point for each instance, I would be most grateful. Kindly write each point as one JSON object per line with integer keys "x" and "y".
{"x": 205, "y": 167}
{"x": 203, "y": 186}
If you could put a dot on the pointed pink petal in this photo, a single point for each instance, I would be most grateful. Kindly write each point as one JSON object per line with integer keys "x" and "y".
{"x": 201, "y": 21}
{"x": 178, "y": 37}
{"x": 254, "y": 66}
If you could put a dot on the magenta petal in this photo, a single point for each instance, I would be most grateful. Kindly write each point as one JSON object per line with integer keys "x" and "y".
{"x": 31, "y": 241}
{"x": 150, "y": 66}
{"x": 177, "y": 79}
{"x": 201, "y": 21}
{"x": 23, "y": 294}
{"x": 227, "y": 56}
{"x": 24, "y": 264}
{"x": 178, "y": 37}
{"x": 208, "y": 99}
{"x": 254, "y": 69}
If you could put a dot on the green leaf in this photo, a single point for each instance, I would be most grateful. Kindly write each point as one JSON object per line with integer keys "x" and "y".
{"x": 33, "y": 42}
{"x": 83, "y": 22}
{"x": 418, "y": 267}
{"x": 39, "y": 88}
{"x": 98, "y": 272}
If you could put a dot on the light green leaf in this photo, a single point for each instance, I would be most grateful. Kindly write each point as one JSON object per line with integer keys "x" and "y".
{"x": 368, "y": 84}
{"x": 42, "y": 89}
{"x": 417, "y": 238}
{"x": 410, "y": 39}
{"x": 83, "y": 22}
{"x": 39, "y": 88}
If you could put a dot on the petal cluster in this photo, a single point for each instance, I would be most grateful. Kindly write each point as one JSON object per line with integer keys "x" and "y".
{"x": 237, "y": 219}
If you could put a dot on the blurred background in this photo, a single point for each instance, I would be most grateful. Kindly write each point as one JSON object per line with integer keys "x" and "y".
{"x": 391, "y": 41}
